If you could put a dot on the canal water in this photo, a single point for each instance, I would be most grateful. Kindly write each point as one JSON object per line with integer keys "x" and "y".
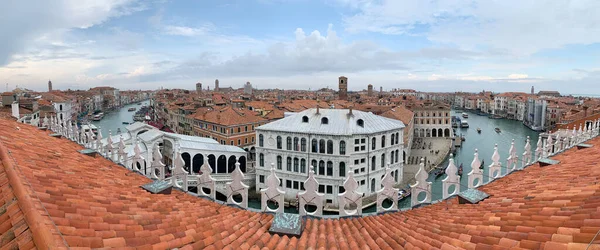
{"x": 113, "y": 120}
{"x": 483, "y": 142}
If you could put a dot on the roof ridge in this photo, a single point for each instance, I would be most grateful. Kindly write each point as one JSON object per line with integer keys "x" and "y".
{"x": 41, "y": 233}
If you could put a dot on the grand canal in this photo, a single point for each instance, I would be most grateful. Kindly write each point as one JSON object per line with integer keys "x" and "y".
{"x": 113, "y": 120}
{"x": 483, "y": 142}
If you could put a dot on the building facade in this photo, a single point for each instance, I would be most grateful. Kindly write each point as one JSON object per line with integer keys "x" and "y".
{"x": 432, "y": 120}
{"x": 333, "y": 141}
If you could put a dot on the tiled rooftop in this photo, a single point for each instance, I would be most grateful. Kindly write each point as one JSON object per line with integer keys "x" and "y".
{"x": 69, "y": 199}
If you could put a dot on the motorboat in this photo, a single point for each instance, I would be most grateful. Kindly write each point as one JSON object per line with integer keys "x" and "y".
{"x": 479, "y": 130}
{"x": 465, "y": 115}
{"x": 126, "y": 123}
{"x": 131, "y": 109}
{"x": 88, "y": 127}
{"x": 98, "y": 117}
{"x": 497, "y": 130}
{"x": 464, "y": 124}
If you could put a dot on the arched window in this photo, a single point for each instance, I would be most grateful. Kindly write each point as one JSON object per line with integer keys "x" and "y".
{"x": 392, "y": 157}
{"x": 397, "y": 152}
{"x": 373, "y": 163}
{"x": 397, "y": 136}
{"x": 383, "y": 141}
{"x": 342, "y": 169}
{"x": 372, "y": 185}
{"x": 261, "y": 140}
{"x": 321, "y": 167}
{"x": 342, "y": 147}
{"x": 288, "y": 143}
{"x": 305, "y": 119}
{"x": 373, "y": 143}
{"x": 60, "y": 107}
{"x": 296, "y": 163}
{"x": 261, "y": 159}
{"x": 279, "y": 162}
{"x": 296, "y": 144}
{"x": 279, "y": 146}
{"x": 324, "y": 120}
{"x": 288, "y": 164}
{"x": 392, "y": 140}
{"x": 303, "y": 145}
{"x": 302, "y": 166}
{"x": 383, "y": 160}
{"x": 330, "y": 147}
{"x": 314, "y": 146}
{"x": 322, "y": 146}
{"x": 360, "y": 123}
{"x": 313, "y": 164}
{"x": 329, "y": 168}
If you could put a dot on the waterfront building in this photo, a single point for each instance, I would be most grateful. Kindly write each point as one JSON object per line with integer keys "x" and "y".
{"x": 333, "y": 141}
{"x": 62, "y": 105}
{"x": 432, "y": 119}
{"x": 535, "y": 117}
{"x": 111, "y": 97}
{"x": 548, "y": 94}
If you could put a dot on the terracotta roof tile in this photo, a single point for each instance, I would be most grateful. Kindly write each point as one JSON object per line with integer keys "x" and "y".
{"x": 104, "y": 207}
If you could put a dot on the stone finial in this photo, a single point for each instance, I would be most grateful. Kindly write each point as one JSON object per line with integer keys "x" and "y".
{"x": 75, "y": 132}
{"x": 350, "y": 197}
{"x": 452, "y": 179}
{"x": 237, "y": 186}
{"x": 387, "y": 192}
{"x": 121, "y": 152}
{"x": 109, "y": 148}
{"x": 421, "y": 185}
{"x": 206, "y": 181}
{"x": 557, "y": 144}
{"x": 45, "y": 122}
{"x": 580, "y": 134}
{"x": 512, "y": 159}
{"x": 495, "y": 169}
{"x": 156, "y": 164}
{"x": 99, "y": 146}
{"x": 180, "y": 175}
{"x": 527, "y": 154}
{"x": 310, "y": 196}
{"x": 476, "y": 173}
{"x": 573, "y": 140}
{"x": 548, "y": 146}
{"x": 90, "y": 138}
{"x": 272, "y": 193}
{"x": 138, "y": 162}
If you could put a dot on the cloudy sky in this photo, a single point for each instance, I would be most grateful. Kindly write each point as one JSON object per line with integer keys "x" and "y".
{"x": 433, "y": 45}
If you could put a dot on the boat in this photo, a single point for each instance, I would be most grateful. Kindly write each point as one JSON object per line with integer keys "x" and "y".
{"x": 131, "y": 109}
{"x": 465, "y": 115}
{"x": 464, "y": 124}
{"x": 139, "y": 103}
{"x": 88, "y": 127}
{"x": 479, "y": 130}
{"x": 497, "y": 130}
{"x": 460, "y": 170}
{"x": 482, "y": 164}
{"x": 402, "y": 194}
{"x": 126, "y": 123}
{"x": 98, "y": 117}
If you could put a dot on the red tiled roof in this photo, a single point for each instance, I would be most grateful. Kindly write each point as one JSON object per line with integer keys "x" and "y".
{"x": 95, "y": 203}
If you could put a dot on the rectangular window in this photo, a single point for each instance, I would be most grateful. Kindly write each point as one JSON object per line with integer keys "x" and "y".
{"x": 239, "y": 142}
{"x": 246, "y": 129}
{"x": 362, "y": 140}
{"x": 246, "y": 140}
{"x": 321, "y": 189}
{"x": 239, "y": 129}
{"x": 356, "y": 162}
{"x": 362, "y": 148}
{"x": 261, "y": 178}
{"x": 329, "y": 189}
{"x": 362, "y": 170}
{"x": 288, "y": 184}
{"x": 362, "y": 160}
{"x": 341, "y": 190}
{"x": 356, "y": 149}
{"x": 295, "y": 184}
{"x": 301, "y": 185}
{"x": 280, "y": 182}
{"x": 231, "y": 142}
{"x": 362, "y": 182}
{"x": 356, "y": 171}
{"x": 356, "y": 141}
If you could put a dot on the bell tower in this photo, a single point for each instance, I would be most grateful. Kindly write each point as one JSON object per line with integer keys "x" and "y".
{"x": 343, "y": 86}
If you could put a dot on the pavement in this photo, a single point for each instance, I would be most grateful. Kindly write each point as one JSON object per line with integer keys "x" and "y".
{"x": 433, "y": 150}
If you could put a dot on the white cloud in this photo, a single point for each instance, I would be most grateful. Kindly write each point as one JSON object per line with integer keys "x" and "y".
{"x": 520, "y": 27}
{"x": 187, "y": 31}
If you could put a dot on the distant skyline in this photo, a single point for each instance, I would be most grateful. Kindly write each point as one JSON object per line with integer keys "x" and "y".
{"x": 435, "y": 46}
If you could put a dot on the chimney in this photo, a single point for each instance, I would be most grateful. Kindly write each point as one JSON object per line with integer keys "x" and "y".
{"x": 317, "y": 109}
{"x": 585, "y": 108}
{"x": 350, "y": 111}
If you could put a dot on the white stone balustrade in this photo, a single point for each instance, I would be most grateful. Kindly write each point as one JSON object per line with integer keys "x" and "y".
{"x": 476, "y": 173}
{"x": 452, "y": 180}
{"x": 350, "y": 201}
{"x": 526, "y": 154}
{"x": 98, "y": 143}
{"x": 557, "y": 144}
{"x": 272, "y": 193}
{"x": 421, "y": 185}
{"x": 237, "y": 187}
{"x": 310, "y": 196}
{"x": 109, "y": 148}
{"x": 387, "y": 192}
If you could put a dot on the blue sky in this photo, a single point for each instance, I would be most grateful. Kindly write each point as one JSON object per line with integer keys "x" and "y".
{"x": 441, "y": 45}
